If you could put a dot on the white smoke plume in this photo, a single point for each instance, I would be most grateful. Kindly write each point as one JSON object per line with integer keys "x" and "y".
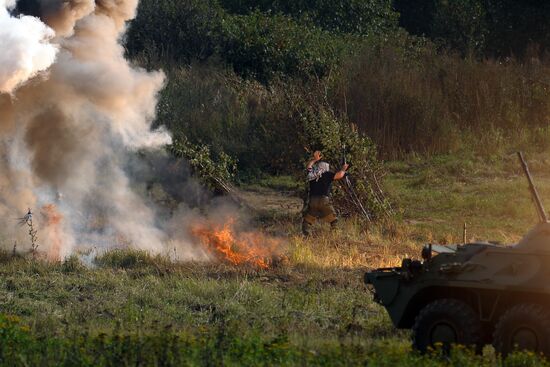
{"x": 26, "y": 48}
{"x": 72, "y": 109}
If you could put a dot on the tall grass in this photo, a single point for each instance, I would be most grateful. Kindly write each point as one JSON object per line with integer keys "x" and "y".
{"x": 410, "y": 98}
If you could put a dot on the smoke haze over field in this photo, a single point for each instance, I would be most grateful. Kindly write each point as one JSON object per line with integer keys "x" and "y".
{"x": 72, "y": 109}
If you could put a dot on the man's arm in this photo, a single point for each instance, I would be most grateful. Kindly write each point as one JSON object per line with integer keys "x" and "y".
{"x": 342, "y": 173}
{"x": 316, "y": 158}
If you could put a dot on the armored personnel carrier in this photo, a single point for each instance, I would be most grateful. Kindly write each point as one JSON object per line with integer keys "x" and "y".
{"x": 474, "y": 294}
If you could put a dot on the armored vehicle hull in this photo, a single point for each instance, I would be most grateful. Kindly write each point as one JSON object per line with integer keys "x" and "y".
{"x": 473, "y": 294}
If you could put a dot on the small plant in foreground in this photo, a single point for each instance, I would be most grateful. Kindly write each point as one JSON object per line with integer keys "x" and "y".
{"x": 27, "y": 220}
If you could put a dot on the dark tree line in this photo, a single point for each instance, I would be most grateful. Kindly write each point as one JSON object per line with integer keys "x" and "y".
{"x": 492, "y": 28}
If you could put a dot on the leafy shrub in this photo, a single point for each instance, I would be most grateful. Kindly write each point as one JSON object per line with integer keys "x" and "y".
{"x": 201, "y": 103}
{"x": 258, "y": 45}
{"x": 212, "y": 172}
{"x": 12, "y": 337}
{"x": 263, "y": 46}
{"x": 318, "y": 127}
{"x": 174, "y": 31}
{"x": 341, "y": 16}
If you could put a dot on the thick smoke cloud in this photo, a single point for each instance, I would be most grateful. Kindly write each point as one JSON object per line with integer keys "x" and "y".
{"x": 72, "y": 111}
{"x": 26, "y": 48}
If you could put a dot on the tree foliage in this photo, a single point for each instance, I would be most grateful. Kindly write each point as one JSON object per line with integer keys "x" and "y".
{"x": 263, "y": 46}
{"x": 255, "y": 44}
{"x": 362, "y": 17}
{"x": 174, "y": 31}
{"x": 486, "y": 27}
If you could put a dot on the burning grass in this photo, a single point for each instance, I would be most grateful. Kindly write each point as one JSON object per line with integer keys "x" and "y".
{"x": 53, "y": 231}
{"x": 226, "y": 243}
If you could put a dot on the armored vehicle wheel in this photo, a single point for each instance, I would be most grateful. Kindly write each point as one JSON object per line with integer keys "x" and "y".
{"x": 523, "y": 327}
{"x": 446, "y": 321}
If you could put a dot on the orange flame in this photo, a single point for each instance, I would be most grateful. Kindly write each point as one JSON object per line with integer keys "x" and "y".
{"x": 226, "y": 244}
{"x": 53, "y": 220}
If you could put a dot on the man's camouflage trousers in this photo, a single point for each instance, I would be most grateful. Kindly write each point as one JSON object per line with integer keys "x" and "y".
{"x": 319, "y": 207}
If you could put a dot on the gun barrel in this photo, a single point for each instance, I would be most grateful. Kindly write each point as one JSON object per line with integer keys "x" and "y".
{"x": 540, "y": 209}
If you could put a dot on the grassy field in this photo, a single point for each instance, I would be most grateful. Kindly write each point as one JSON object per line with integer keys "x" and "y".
{"x": 131, "y": 308}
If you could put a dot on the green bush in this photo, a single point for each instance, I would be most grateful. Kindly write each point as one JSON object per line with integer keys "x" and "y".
{"x": 174, "y": 31}
{"x": 201, "y": 103}
{"x": 13, "y": 336}
{"x": 258, "y": 45}
{"x": 215, "y": 115}
{"x": 263, "y": 46}
{"x": 342, "y": 16}
{"x": 213, "y": 172}
{"x": 318, "y": 127}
